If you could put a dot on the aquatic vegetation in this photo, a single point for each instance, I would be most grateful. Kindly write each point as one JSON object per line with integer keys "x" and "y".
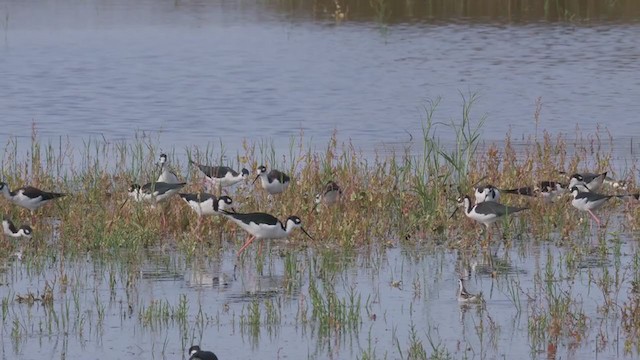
{"x": 389, "y": 11}
{"x": 383, "y": 258}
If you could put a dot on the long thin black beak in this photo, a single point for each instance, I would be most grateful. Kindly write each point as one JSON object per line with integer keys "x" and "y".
{"x": 256, "y": 179}
{"x": 453, "y": 213}
{"x": 479, "y": 181}
{"x": 306, "y": 233}
{"x": 124, "y": 203}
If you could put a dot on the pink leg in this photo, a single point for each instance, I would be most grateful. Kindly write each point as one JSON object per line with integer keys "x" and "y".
{"x": 260, "y": 248}
{"x": 199, "y": 223}
{"x": 594, "y": 217}
{"x": 245, "y": 245}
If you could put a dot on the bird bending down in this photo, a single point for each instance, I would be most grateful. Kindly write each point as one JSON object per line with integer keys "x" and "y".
{"x": 11, "y": 230}
{"x": 330, "y": 195}
{"x": 264, "y": 226}
{"x": 273, "y": 182}
{"x": 28, "y": 197}
{"x": 465, "y": 297}
{"x": 154, "y": 192}
{"x": 221, "y": 176}
{"x": 588, "y": 201}
{"x": 548, "y": 190}
{"x": 166, "y": 175}
{"x": 196, "y": 354}
{"x": 486, "y": 193}
{"x": 206, "y": 204}
{"x": 587, "y": 181}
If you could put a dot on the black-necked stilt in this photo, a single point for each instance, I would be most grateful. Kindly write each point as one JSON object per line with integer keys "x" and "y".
{"x": 207, "y": 204}
{"x": 465, "y": 297}
{"x": 588, "y": 201}
{"x": 486, "y": 212}
{"x": 11, "y": 230}
{"x": 264, "y": 226}
{"x": 196, "y": 354}
{"x": 28, "y": 197}
{"x": 548, "y": 190}
{"x": 166, "y": 175}
{"x": 487, "y": 193}
{"x": 587, "y": 181}
{"x": 273, "y": 182}
{"x": 329, "y": 195}
{"x": 221, "y": 176}
{"x": 154, "y": 192}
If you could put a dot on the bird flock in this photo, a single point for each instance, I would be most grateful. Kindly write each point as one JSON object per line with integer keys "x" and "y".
{"x": 487, "y": 208}
{"x": 583, "y": 187}
{"x": 259, "y": 225}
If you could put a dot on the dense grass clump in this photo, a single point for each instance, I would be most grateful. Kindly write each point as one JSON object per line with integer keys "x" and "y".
{"x": 406, "y": 196}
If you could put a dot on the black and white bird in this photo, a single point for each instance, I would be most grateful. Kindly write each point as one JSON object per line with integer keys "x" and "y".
{"x": 207, "y": 204}
{"x": 329, "y": 195}
{"x": 28, "y": 197}
{"x": 154, "y": 192}
{"x": 486, "y": 212}
{"x": 465, "y": 297}
{"x": 547, "y": 190}
{"x": 486, "y": 193}
{"x": 589, "y": 201}
{"x": 221, "y": 176}
{"x": 273, "y": 182}
{"x": 11, "y": 230}
{"x": 264, "y": 226}
{"x": 587, "y": 181}
{"x": 196, "y": 354}
{"x": 166, "y": 175}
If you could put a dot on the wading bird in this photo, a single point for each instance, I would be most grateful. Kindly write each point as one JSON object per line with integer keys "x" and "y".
{"x": 265, "y": 226}
{"x": 28, "y": 197}
{"x": 196, "y": 354}
{"x": 465, "y": 297}
{"x": 11, "y": 230}
{"x": 329, "y": 195}
{"x": 221, "y": 176}
{"x": 166, "y": 175}
{"x": 273, "y": 182}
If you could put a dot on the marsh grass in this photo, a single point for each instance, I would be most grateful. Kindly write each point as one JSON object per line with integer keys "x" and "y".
{"x": 389, "y": 11}
{"x": 405, "y": 195}
{"x": 401, "y": 199}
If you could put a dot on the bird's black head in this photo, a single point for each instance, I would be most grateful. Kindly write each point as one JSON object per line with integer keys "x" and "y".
{"x": 194, "y": 349}
{"x": 460, "y": 200}
{"x": 577, "y": 177}
{"x": 134, "y": 187}
{"x": 227, "y": 200}
{"x": 245, "y": 172}
{"x": 163, "y": 160}
{"x": 26, "y": 229}
{"x": 296, "y": 220}
{"x": 261, "y": 170}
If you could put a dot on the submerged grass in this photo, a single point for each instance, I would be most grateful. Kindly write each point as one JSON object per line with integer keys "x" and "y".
{"x": 402, "y": 199}
{"x": 407, "y": 195}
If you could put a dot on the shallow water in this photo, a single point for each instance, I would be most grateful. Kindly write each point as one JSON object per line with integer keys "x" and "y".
{"x": 198, "y": 73}
{"x": 103, "y": 306}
